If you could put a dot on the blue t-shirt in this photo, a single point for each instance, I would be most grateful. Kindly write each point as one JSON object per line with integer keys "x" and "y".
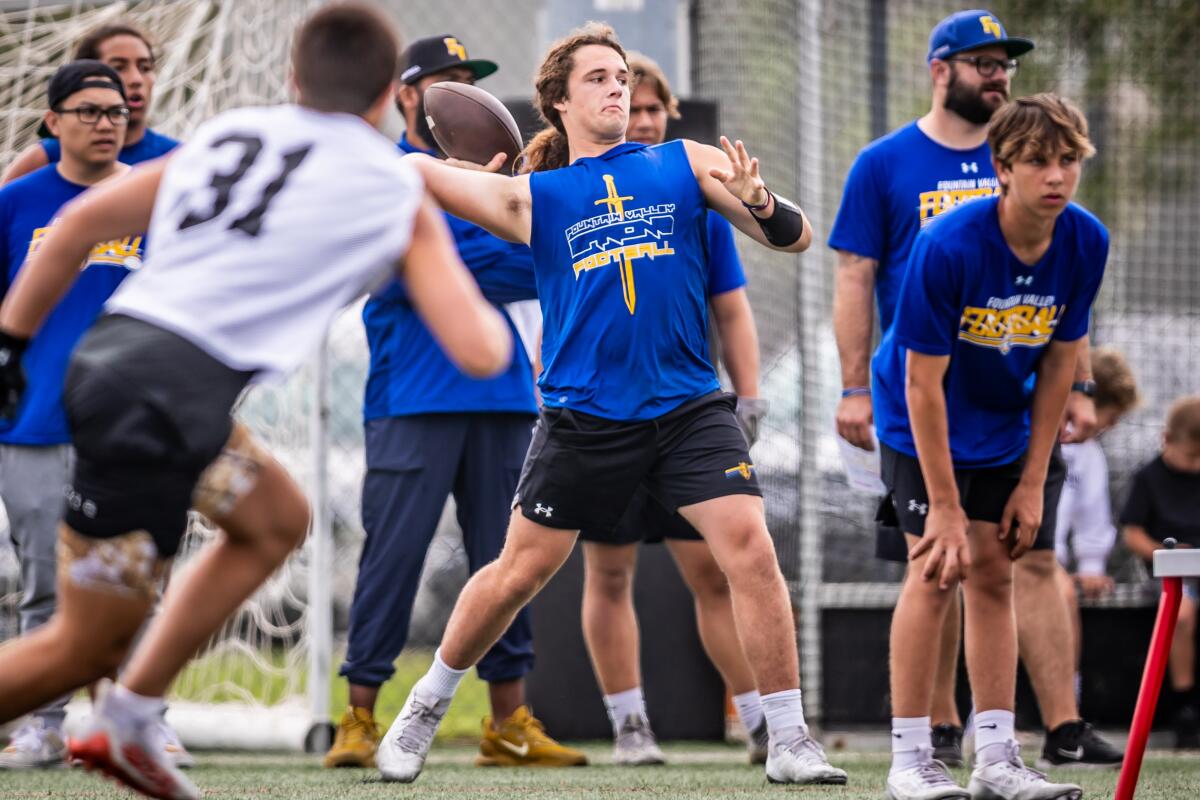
{"x": 898, "y": 184}
{"x": 619, "y": 246}
{"x": 152, "y": 145}
{"x": 409, "y": 373}
{"x": 725, "y": 272}
{"x": 27, "y": 207}
{"x": 967, "y": 296}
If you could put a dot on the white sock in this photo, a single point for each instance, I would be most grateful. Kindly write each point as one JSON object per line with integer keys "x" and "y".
{"x": 440, "y": 681}
{"x": 622, "y": 704}
{"x": 912, "y": 742}
{"x": 750, "y": 709}
{"x": 127, "y": 706}
{"x": 994, "y": 731}
{"x": 1078, "y": 687}
{"x": 783, "y": 710}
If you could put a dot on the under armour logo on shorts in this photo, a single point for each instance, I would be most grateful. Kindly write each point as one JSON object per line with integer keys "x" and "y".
{"x": 920, "y": 508}
{"x": 541, "y": 509}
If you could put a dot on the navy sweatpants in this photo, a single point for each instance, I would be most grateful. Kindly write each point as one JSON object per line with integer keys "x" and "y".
{"x": 413, "y": 464}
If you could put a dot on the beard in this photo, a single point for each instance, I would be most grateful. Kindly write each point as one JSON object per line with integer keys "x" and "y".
{"x": 969, "y": 103}
{"x": 423, "y": 130}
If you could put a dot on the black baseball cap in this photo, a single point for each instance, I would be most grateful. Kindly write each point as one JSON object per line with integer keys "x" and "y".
{"x": 84, "y": 73}
{"x": 436, "y": 53}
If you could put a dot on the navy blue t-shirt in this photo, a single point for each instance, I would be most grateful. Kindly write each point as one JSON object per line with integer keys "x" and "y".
{"x": 967, "y": 296}
{"x": 619, "y": 246}
{"x": 28, "y": 205}
{"x": 898, "y": 184}
{"x": 152, "y": 145}
{"x": 409, "y": 373}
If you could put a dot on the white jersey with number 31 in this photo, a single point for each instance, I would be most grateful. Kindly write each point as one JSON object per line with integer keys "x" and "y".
{"x": 267, "y": 222}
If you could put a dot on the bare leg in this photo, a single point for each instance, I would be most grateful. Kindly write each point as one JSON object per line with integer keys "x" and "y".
{"x": 714, "y": 612}
{"x": 1182, "y": 658}
{"x": 922, "y": 607}
{"x": 610, "y": 628}
{"x": 364, "y": 696}
{"x": 259, "y": 533}
{"x": 736, "y": 530}
{"x": 991, "y": 629}
{"x": 1044, "y": 636}
{"x": 1066, "y": 587}
{"x": 944, "y": 708}
{"x": 86, "y": 639}
{"x": 492, "y": 597}
{"x": 506, "y": 697}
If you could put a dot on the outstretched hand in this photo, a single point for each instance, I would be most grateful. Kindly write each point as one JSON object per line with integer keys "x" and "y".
{"x": 741, "y": 179}
{"x": 492, "y": 166}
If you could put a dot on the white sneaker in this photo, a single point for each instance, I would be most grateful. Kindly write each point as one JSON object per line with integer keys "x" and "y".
{"x": 795, "y": 757}
{"x": 635, "y": 745}
{"x": 34, "y": 746}
{"x": 1012, "y": 780}
{"x": 132, "y": 753}
{"x": 402, "y": 751}
{"x": 929, "y": 780}
{"x": 758, "y": 741}
{"x": 175, "y": 750}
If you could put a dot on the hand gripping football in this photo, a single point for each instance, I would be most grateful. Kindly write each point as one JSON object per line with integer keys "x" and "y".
{"x": 471, "y": 125}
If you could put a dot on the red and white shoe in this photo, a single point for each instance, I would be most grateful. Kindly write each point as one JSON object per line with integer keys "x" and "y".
{"x": 132, "y": 754}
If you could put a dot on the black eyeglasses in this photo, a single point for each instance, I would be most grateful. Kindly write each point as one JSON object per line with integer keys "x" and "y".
{"x": 90, "y": 115}
{"x": 987, "y": 66}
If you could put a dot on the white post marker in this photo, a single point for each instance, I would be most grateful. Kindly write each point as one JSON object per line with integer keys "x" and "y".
{"x": 1172, "y": 566}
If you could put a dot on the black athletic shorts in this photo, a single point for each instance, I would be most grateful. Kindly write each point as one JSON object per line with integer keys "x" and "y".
{"x": 148, "y": 411}
{"x": 984, "y": 493}
{"x": 582, "y": 471}
{"x": 645, "y": 520}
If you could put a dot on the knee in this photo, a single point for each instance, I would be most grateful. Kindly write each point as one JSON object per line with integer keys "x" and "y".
{"x": 288, "y": 526}
{"x": 608, "y": 581}
{"x": 1037, "y": 566}
{"x": 525, "y": 579}
{"x": 754, "y": 557}
{"x": 709, "y": 584}
{"x": 991, "y": 582}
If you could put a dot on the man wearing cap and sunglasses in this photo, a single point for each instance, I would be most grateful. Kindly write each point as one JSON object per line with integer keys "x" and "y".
{"x": 88, "y": 115}
{"x": 897, "y": 185}
{"x": 431, "y": 432}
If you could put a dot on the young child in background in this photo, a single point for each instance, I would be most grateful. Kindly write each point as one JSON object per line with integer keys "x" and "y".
{"x": 1165, "y": 502}
{"x": 1085, "y": 533}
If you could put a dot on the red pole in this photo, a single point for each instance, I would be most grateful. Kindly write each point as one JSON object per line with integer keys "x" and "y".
{"x": 1152, "y": 678}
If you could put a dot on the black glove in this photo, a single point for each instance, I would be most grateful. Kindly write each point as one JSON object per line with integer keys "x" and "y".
{"x": 12, "y": 376}
{"x": 750, "y": 411}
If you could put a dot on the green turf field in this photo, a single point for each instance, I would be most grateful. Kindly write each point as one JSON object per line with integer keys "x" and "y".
{"x": 696, "y": 771}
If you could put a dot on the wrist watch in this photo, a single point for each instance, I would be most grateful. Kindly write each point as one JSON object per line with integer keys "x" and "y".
{"x": 1086, "y": 388}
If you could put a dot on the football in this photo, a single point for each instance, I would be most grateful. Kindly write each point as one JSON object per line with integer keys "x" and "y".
{"x": 471, "y": 125}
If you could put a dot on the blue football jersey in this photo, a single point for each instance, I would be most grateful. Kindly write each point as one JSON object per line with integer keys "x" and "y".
{"x": 619, "y": 246}
{"x": 967, "y": 296}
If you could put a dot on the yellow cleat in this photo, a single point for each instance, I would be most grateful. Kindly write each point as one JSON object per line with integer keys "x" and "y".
{"x": 521, "y": 741}
{"x": 355, "y": 741}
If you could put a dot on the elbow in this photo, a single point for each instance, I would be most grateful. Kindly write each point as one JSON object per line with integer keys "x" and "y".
{"x": 493, "y": 353}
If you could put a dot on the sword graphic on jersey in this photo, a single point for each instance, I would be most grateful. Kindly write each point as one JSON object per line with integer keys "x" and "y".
{"x": 616, "y": 205}
{"x": 621, "y": 235}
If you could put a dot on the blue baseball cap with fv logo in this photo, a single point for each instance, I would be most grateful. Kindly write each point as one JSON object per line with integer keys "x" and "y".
{"x": 968, "y": 30}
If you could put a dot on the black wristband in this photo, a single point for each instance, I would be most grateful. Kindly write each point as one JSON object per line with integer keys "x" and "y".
{"x": 11, "y": 348}
{"x": 1085, "y": 388}
{"x": 785, "y": 226}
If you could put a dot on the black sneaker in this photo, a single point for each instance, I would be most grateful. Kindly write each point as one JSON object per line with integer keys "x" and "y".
{"x": 1187, "y": 728}
{"x": 1076, "y": 744}
{"x": 947, "y": 744}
